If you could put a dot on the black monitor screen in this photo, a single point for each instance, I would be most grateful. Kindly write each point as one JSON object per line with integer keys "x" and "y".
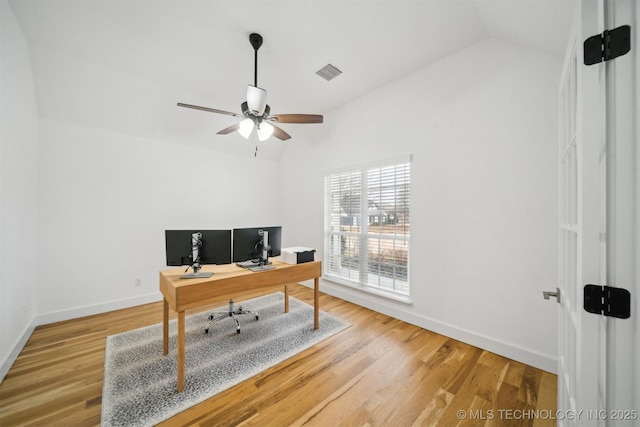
{"x": 215, "y": 249}
{"x": 247, "y": 242}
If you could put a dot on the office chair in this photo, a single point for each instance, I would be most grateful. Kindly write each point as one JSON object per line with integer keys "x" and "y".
{"x": 219, "y": 315}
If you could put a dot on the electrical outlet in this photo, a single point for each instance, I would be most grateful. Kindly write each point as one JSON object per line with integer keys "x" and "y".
{"x": 138, "y": 281}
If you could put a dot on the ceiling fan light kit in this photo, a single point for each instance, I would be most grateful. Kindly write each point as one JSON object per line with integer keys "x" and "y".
{"x": 265, "y": 130}
{"x": 256, "y": 111}
{"x": 246, "y": 127}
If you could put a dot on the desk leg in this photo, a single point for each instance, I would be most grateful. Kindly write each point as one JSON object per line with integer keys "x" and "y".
{"x": 181, "y": 321}
{"x": 165, "y": 328}
{"x": 316, "y": 303}
{"x": 286, "y": 298}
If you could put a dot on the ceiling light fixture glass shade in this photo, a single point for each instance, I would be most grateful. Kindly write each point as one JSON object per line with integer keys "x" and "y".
{"x": 246, "y": 127}
{"x": 265, "y": 130}
{"x": 256, "y": 100}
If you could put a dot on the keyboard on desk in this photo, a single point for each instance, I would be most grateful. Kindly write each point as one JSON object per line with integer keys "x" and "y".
{"x": 261, "y": 267}
{"x": 255, "y": 265}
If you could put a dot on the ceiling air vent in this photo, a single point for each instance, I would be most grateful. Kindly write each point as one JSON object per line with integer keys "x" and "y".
{"x": 329, "y": 72}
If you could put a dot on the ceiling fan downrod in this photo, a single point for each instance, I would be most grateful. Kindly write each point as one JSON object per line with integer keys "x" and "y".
{"x": 256, "y": 42}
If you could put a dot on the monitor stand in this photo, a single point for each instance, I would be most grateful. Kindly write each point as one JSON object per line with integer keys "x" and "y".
{"x": 199, "y": 275}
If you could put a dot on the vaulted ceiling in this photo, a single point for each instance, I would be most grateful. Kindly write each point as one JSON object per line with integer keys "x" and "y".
{"x": 123, "y": 65}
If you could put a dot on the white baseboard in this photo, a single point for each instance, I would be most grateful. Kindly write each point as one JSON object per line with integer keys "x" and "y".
{"x": 530, "y": 357}
{"x": 74, "y": 313}
{"x": 89, "y": 310}
{"x": 15, "y": 351}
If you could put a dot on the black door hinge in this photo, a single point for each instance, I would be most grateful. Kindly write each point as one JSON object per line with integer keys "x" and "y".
{"x": 608, "y": 45}
{"x": 612, "y": 302}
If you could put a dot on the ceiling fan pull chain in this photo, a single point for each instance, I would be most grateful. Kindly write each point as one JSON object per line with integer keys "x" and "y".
{"x": 256, "y": 152}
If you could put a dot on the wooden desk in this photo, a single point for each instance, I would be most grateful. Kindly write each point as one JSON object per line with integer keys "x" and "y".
{"x": 182, "y": 294}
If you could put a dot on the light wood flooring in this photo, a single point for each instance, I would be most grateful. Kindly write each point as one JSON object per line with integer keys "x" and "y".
{"x": 378, "y": 372}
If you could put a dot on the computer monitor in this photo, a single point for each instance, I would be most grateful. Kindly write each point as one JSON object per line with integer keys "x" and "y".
{"x": 213, "y": 247}
{"x": 247, "y": 243}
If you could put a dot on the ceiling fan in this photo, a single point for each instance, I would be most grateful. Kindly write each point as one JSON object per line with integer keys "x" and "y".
{"x": 257, "y": 114}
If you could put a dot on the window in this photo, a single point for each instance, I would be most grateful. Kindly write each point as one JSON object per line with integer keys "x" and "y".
{"x": 367, "y": 227}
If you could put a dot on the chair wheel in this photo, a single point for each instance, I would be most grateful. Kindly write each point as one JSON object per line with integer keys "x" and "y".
{"x": 257, "y": 317}
{"x": 211, "y": 317}
{"x": 206, "y": 331}
{"x": 238, "y": 331}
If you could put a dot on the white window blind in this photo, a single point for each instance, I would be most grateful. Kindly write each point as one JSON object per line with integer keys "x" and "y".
{"x": 367, "y": 227}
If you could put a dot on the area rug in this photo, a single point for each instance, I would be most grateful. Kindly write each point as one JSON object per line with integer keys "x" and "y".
{"x": 140, "y": 383}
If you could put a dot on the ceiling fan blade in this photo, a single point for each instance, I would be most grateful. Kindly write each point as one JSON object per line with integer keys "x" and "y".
{"x": 280, "y": 134}
{"x": 297, "y": 118}
{"x": 209, "y": 110}
{"x": 230, "y": 129}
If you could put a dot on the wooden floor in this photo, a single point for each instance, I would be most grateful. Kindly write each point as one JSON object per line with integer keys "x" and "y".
{"x": 378, "y": 372}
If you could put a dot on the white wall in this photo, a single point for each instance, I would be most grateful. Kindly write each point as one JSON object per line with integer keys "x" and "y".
{"x": 18, "y": 181}
{"x": 106, "y": 198}
{"x": 482, "y": 128}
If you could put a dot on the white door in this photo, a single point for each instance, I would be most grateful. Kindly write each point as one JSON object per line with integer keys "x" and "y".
{"x": 598, "y": 238}
{"x": 579, "y": 222}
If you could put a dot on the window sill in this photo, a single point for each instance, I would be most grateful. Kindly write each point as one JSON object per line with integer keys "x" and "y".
{"x": 404, "y": 299}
